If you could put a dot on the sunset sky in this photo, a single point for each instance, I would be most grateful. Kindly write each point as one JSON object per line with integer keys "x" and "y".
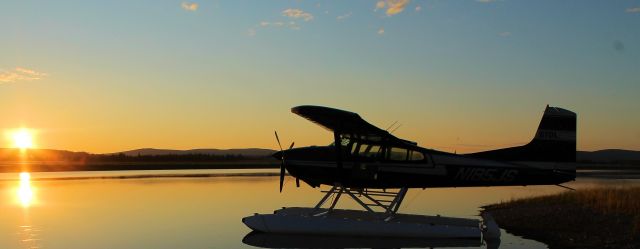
{"x": 472, "y": 75}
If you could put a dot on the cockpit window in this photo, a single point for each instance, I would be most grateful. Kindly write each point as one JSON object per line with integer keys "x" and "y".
{"x": 402, "y": 154}
{"x": 354, "y": 147}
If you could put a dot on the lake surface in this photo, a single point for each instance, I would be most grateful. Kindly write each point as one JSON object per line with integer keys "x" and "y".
{"x": 99, "y": 211}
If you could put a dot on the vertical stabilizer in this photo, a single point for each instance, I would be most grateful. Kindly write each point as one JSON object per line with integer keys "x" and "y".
{"x": 554, "y": 141}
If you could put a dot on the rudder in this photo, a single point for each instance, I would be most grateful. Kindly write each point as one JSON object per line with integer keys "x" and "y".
{"x": 555, "y": 139}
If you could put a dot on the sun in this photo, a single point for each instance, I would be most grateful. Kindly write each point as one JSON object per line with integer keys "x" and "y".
{"x": 22, "y": 138}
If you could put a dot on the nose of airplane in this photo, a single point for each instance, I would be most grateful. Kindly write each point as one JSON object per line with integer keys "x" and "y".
{"x": 278, "y": 155}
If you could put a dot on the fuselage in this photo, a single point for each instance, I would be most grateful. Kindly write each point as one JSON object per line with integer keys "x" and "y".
{"x": 361, "y": 164}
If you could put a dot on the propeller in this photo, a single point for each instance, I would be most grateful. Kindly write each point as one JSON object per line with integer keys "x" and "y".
{"x": 282, "y": 168}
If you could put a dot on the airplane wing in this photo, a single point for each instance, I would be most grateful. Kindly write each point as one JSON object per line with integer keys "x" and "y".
{"x": 343, "y": 122}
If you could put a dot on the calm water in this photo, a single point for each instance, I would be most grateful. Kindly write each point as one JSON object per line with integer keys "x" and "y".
{"x": 192, "y": 212}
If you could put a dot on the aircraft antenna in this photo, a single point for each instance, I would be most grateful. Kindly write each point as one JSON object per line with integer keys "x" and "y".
{"x": 394, "y": 123}
{"x": 395, "y": 128}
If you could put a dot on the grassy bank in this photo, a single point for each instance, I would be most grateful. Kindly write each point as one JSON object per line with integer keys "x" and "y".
{"x": 590, "y": 218}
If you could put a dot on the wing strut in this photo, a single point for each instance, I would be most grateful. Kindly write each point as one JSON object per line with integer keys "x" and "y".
{"x": 338, "y": 144}
{"x": 388, "y": 201}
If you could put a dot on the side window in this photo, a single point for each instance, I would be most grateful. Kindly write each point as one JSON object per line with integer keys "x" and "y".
{"x": 375, "y": 151}
{"x": 416, "y": 156}
{"x": 369, "y": 150}
{"x": 397, "y": 154}
{"x": 363, "y": 149}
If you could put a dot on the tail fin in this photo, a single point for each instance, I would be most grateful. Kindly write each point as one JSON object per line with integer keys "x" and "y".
{"x": 555, "y": 141}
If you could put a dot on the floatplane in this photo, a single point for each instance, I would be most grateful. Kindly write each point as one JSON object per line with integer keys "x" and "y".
{"x": 376, "y": 169}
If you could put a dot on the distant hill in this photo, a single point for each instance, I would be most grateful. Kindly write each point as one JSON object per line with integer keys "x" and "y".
{"x": 46, "y": 160}
{"x": 250, "y": 152}
{"x": 12, "y": 154}
{"x": 609, "y": 156}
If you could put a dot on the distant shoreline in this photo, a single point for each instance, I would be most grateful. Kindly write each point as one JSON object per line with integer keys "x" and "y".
{"x": 16, "y": 167}
{"x": 584, "y": 170}
{"x": 143, "y": 176}
{"x": 606, "y": 166}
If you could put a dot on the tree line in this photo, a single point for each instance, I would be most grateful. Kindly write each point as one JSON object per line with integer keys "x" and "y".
{"x": 58, "y": 155}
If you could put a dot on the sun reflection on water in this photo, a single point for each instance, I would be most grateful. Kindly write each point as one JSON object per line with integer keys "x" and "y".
{"x": 25, "y": 192}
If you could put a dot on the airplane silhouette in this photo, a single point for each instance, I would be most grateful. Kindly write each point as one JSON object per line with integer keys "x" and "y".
{"x": 376, "y": 169}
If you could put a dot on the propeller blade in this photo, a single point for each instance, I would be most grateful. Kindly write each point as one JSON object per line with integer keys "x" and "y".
{"x": 281, "y": 175}
{"x": 281, "y": 163}
{"x": 282, "y": 168}
{"x": 297, "y": 182}
{"x": 278, "y": 139}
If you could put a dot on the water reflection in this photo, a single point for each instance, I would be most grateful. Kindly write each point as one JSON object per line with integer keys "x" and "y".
{"x": 25, "y": 191}
{"x": 169, "y": 213}
{"x": 29, "y": 237}
{"x": 269, "y": 240}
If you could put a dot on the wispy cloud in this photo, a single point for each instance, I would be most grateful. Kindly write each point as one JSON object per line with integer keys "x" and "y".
{"x": 20, "y": 74}
{"x": 291, "y": 25}
{"x": 381, "y": 31}
{"x": 265, "y": 24}
{"x": 485, "y": 1}
{"x": 190, "y": 6}
{"x": 393, "y": 6}
{"x": 633, "y": 10}
{"x": 505, "y": 34}
{"x": 297, "y": 14}
{"x": 345, "y": 16}
{"x": 418, "y": 8}
{"x": 284, "y": 24}
{"x": 396, "y": 6}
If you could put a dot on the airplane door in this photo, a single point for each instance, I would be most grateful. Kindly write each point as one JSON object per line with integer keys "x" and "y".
{"x": 367, "y": 158}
